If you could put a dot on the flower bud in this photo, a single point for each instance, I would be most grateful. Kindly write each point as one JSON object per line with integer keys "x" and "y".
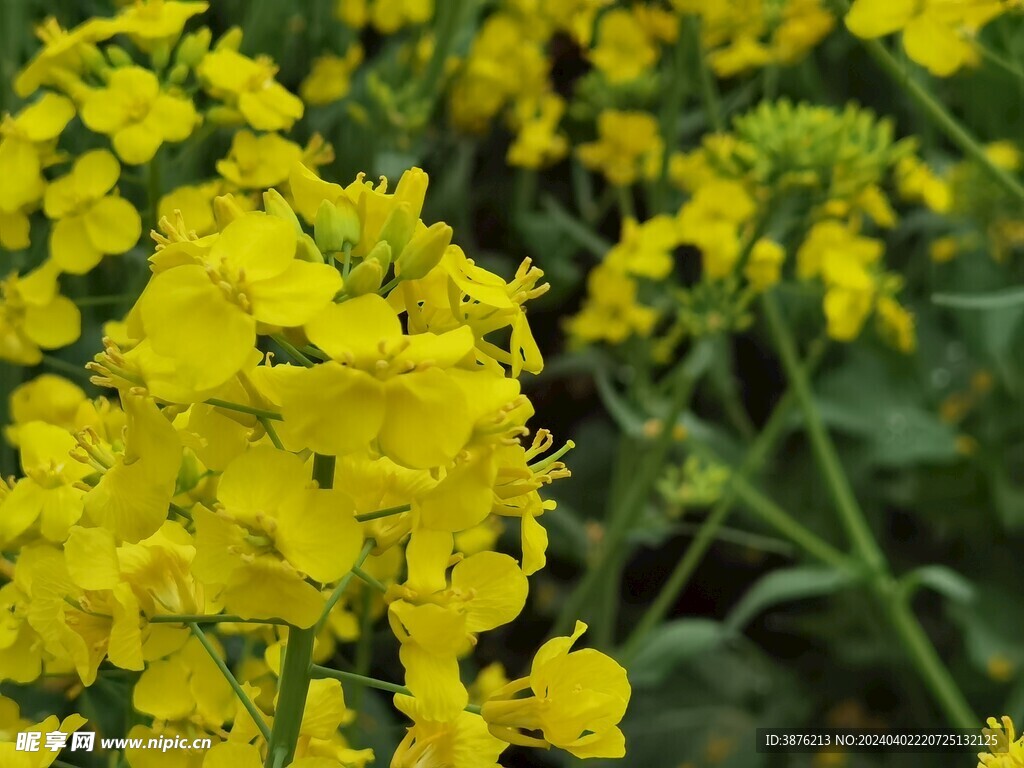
{"x": 278, "y": 207}
{"x": 221, "y": 115}
{"x": 424, "y": 252}
{"x": 160, "y": 56}
{"x": 230, "y": 40}
{"x": 178, "y": 74}
{"x": 365, "y": 277}
{"x": 226, "y": 210}
{"x": 398, "y": 228}
{"x": 381, "y": 253}
{"x": 306, "y": 250}
{"x": 412, "y": 189}
{"x": 118, "y": 56}
{"x": 336, "y": 224}
{"x": 193, "y": 48}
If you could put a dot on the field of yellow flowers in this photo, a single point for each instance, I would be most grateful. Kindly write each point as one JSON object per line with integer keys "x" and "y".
{"x": 478, "y": 383}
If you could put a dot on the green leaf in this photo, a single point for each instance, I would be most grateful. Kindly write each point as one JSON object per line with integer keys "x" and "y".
{"x": 786, "y": 585}
{"x": 1011, "y": 297}
{"x": 941, "y": 579}
{"x": 670, "y": 645}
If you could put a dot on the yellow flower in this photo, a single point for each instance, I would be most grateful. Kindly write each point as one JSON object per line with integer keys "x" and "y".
{"x": 196, "y": 205}
{"x": 765, "y": 264}
{"x": 272, "y": 527}
{"x": 577, "y": 701}
{"x": 538, "y": 142}
{"x": 131, "y": 499}
{"x": 137, "y": 115}
{"x": 389, "y": 16}
{"x": 11, "y": 757}
{"x": 628, "y": 147}
{"x": 203, "y": 316}
{"x": 329, "y": 78}
{"x": 27, "y": 145}
{"x": 89, "y": 222}
{"x": 916, "y": 182}
{"x": 623, "y": 51}
{"x": 896, "y": 324}
{"x": 259, "y": 162}
{"x": 249, "y": 86}
{"x": 154, "y": 22}
{"x": 611, "y": 311}
{"x": 434, "y": 619}
{"x": 1010, "y": 750}
{"x": 461, "y": 742}
{"x": 646, "y": 250}
{"x": 418, "y": 413}
{"x": 62, "y": 59}
{"x": 34, "y": 316}
{"x": 937, "y": 34}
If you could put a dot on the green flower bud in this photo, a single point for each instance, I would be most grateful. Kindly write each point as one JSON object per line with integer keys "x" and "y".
{"x": 193, "y": 48}
{"x": 230, "y": 40}
{"x": 307, "y": 250}
{"x": 398, "y": 228}
{"x": 365, "y": 277}
{"x": 178, "y": 74}
{"x": 336, "y": 224}
{"x": 226, "y": 210}
{"x": 424, "y": 252}
{"x": 381, "y": 253}
{"x": 118, "y": 56}
{"x": 160, "y": 57}
{"x": 278, "y": 207}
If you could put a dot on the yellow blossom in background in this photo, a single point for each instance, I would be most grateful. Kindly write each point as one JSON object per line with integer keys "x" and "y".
{"x": 259, "y": 162}
{"x": 611, "y": 311}
{"x": 330, "y": 77}
{"x": 137, "y": 115}
{"x": 34, "y": 316}
{"x": 89, "y": 222}
{"x": 623, "y": 51}
{"x": 538, "y": 142}
{"x": 628, "y": 147}
{"x": 248, "y": 85}
{"x": 937, "y": 34}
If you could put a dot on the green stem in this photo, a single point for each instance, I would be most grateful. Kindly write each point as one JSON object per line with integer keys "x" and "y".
{"x": 675, "y": 584}
{"x": 364, "y": 654}
{"x": 624, "y": 197}
{"x": 852, "y": 517}
{"x": 346, "y": 265}
{"x": 365, "y": 517}
{"x": 298, "y": 656}
{"x": 916, "y": 643}
{"x": 153, "y": 189}
{"x": 342, "y": 585}
{"x": 367, "y": 578}
{"x": 940, "y": 116}
{"x": 319, "y": 672}
{"x": 250, "y": 707}
{"x": 706, "y": 79}
{"x": 263, "y": 414}
{"x": 672, "y": 107}
{"x": 216, "y": 618}
{"x": 389, "y": 285}
{"x": 268, "y": 426}
{"x": 292, "y": 350}
{"x": 446, "y": 23}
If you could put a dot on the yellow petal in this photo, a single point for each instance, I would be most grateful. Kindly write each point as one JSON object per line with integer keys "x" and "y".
{"x": 259, "y": 245}
{"x": 71, "y": 248}
{"x": 55, "y": 325}
{"x": 353, "y": 331}
{"x": 497, "y": 588}
{"x": 91, "y": 555}
{"x": 875, "y": 18}
{"x": 136, "y": 143}
{"x": 309, "y": 399}
{"x": 936, "y": 46}
{"x": 188, "y": 318}
{"x": 434, "y": 681}
{"x": 260, "y": 481}
{"x": 94, "y": 174}
{"x": 426, "y": 420}
{"x": 267, "y": 589}
{"x": 162, "y": 691}
{"x": 427, "y": 555}
{"x": 296, "y": 295}
{"x": 231, "y": 755}
{"x": 113, "y": 224}
{"x": 318, "y": 534}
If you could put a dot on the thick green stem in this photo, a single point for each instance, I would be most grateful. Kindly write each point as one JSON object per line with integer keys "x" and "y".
{"x": 852, "y": 517}
{"x": 940, "y": 116}
{"x": 916, "y": 643}
{"x": 250, "y": 707}
{"x": 298, "y": 657}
